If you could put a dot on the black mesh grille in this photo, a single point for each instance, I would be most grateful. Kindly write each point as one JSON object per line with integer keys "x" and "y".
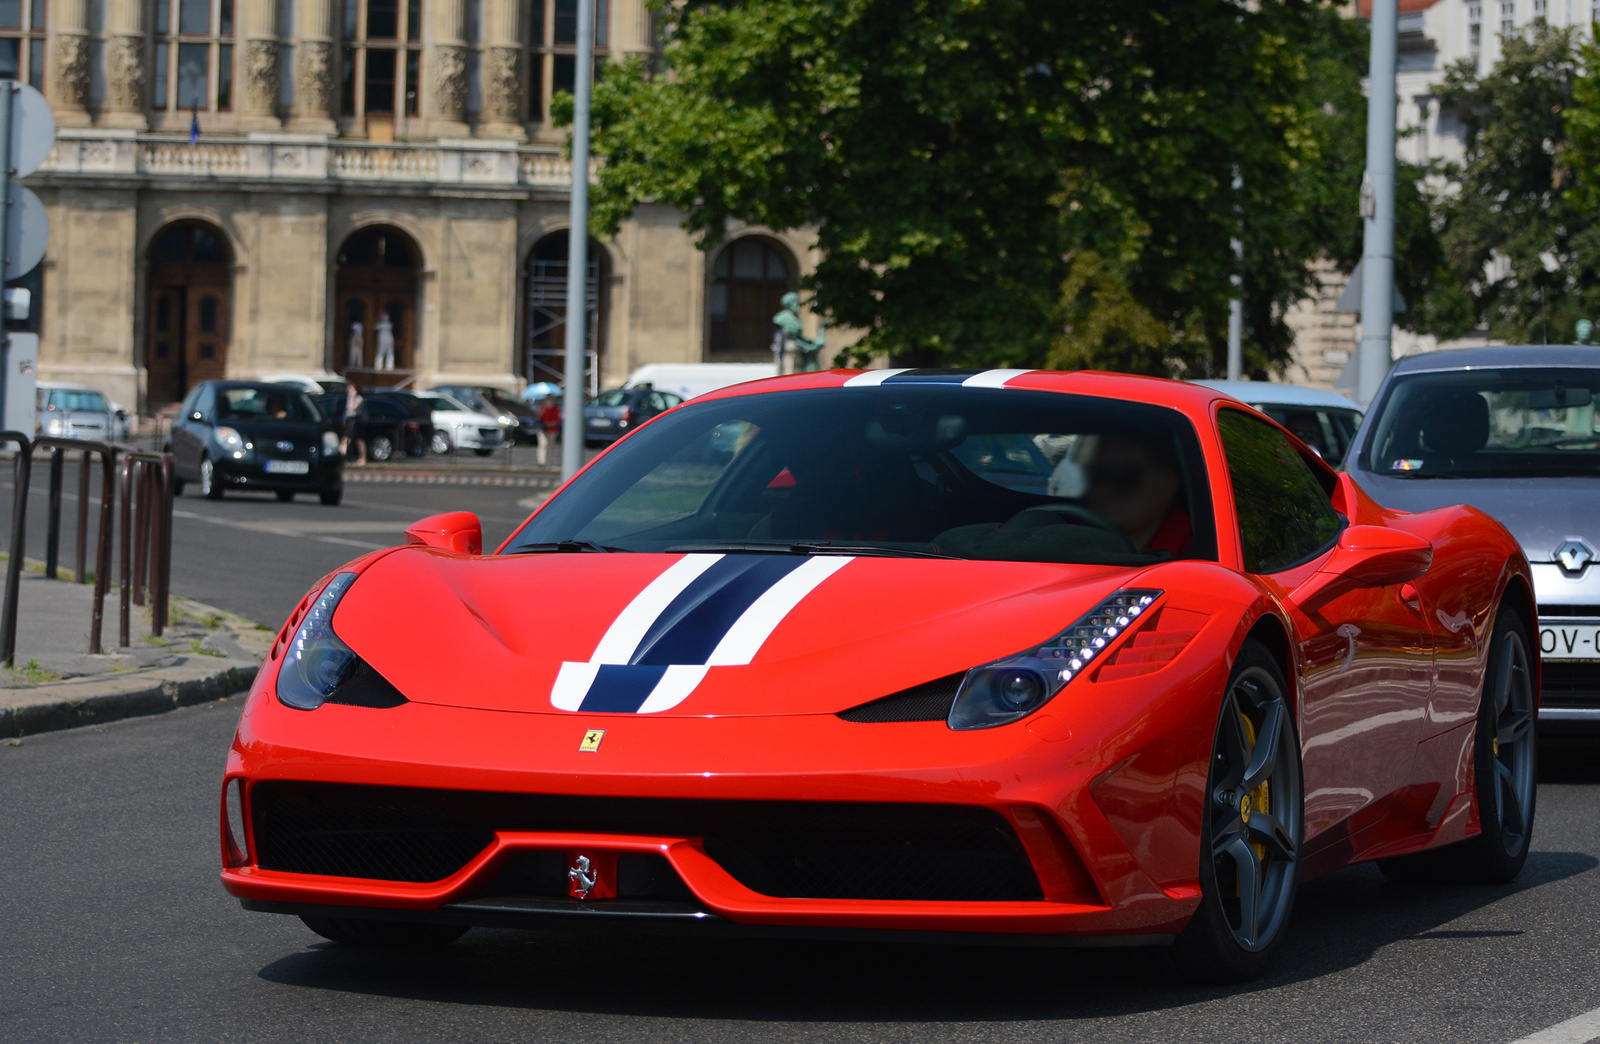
{"x": 1568, "y": 684}
{"x": 817, "y": 850}
{"x": 359, "y": 832}
{"x": 367, "y": 688}
{"x": 929, "y": 701}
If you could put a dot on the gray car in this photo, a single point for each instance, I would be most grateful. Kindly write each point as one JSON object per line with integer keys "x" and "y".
{"x": 1515, "y": 432}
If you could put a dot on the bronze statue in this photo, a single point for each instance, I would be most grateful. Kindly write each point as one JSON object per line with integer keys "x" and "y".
{"x": 791, "y": 335}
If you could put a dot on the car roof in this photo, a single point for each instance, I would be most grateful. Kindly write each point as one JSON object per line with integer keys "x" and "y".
{"x": 266, "y": 386}
{"x": 63, "y": 386}
{"x": 1268, "y": 393}
{"x": 1500, "y": 357}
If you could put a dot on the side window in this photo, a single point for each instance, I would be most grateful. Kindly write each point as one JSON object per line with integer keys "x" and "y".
{"x": 1284, "y": 514}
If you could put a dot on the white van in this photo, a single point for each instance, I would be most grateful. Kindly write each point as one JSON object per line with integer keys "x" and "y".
{"x": 690, "y": 379}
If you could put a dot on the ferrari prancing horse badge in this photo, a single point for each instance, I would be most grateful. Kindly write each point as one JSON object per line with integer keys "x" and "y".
{"x": 591, "y": 741}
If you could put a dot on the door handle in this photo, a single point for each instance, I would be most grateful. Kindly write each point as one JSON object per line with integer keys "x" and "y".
{"x": 1411, "y": 597}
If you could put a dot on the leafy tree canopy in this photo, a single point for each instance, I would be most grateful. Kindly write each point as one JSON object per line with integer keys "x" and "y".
{"x": 1518, "y": 252}
{"x": 1010, "y": 181}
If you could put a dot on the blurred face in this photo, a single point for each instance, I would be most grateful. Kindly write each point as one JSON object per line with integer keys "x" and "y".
{"x": 1129, "y": 488}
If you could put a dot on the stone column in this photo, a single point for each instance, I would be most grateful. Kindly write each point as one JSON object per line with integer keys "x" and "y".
{"x": 68, "y": 62}
{"x": 444, "y": 101}
{"x": 127, "y": 79}
{"x": 501, "y": 70}
{"x": 316, "y": 96}
{"x": 259, "y": 50}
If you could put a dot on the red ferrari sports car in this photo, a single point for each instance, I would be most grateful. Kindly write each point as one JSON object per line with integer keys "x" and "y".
{"x": 1048, "y": 657}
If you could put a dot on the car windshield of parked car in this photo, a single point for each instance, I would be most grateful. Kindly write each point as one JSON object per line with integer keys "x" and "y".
{"x": 1506, "y": 423}
{"x": 615, "y": 397}
{"x": 86, "y": 401}
{"x": 912, "y": 469}
{"x": 265, "y": 404}
{"x": 439, "y": 404}
{"x": 1326, "y": 430}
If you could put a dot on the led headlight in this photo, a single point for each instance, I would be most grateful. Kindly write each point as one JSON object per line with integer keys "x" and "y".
{"x": 330, "y": 443}
{"x": 1016, "y": 686}
{"x": 316, "y": 661}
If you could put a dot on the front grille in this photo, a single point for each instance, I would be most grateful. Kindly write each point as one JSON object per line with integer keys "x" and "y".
{"x": 1567, "y": 684}
{"x": 791, "y": 849}
{"x": 1581, "y": 611}
{"x": 929, "y": 701}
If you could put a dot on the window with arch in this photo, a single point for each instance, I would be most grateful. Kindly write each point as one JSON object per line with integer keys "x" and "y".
{"x": 382, "y": 69}
{"x": 22, "y": 28}
{"x": 748, "y": 282}
{"x": 552, "y": 50}
{"x": 193, "y": 56}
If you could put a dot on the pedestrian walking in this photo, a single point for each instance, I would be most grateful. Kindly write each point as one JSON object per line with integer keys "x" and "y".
{"x": 352, "y": 413}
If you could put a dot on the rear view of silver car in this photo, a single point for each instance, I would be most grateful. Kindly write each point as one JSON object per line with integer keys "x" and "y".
{"x": 1513, "y": 431}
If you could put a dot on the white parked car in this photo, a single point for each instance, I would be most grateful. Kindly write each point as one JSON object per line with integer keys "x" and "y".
{"x": 1324, "y": 420}
{"x": 456, "y": 425}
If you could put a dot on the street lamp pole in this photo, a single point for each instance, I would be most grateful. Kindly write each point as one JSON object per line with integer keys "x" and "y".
{"x": 578, "y": 252}
{"x": 1377, "y": 251}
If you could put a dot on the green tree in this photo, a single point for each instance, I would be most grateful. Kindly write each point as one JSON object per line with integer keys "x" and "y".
{"x": 1518, "y": 250}
{"x": 1008, "y": 181}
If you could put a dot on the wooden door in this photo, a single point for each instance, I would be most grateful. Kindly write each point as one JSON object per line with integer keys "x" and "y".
{"x": 365, "y": 306}
{"x": 166, "y": 370}
{"x": 206, "y": 333}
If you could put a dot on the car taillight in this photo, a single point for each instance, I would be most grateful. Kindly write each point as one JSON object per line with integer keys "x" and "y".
{"x": 627, "y": 414}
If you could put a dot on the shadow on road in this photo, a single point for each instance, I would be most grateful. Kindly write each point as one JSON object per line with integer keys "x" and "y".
{"x": 1340, "y": 922}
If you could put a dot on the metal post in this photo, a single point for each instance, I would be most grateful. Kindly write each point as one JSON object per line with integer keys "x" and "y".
{"x": 124, "y": 637}
{"x": 52, "y": 533}
{"x": 578, "y": 251}
{"x": 1236, "y": 303}
{"x": 163, "y": 565}
{"x": 83, "y": 520}
{"x": 8, "y": 98}
{"x": 102, "y": 556}
{"x": 141, "y": 527}
{"x": 19, "y": 519}
{"x": 1377, "y": 252}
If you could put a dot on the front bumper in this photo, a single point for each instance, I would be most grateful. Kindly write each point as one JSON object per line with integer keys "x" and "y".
{"x": 251, "y": 473}
{"x": 1107, "y": 827}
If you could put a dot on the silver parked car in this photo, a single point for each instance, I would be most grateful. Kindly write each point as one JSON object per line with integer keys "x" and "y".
{"x": 76, "y": 411}
{"x": 1513, "y": 431}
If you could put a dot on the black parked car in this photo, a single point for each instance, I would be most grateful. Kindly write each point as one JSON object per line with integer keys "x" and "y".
{"x": 418, "y": 431}
{"x": 247, "y": 435}
{"x": 612, "y": 414}
{"x": 387, "y": 427}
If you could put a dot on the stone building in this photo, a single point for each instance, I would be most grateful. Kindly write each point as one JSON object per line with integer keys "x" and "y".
{"x": 242, "y": 187}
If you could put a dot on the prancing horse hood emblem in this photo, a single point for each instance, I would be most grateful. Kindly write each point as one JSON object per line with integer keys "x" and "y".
{"x": 1573, "y": 556}
{"x": 582, "y": 877}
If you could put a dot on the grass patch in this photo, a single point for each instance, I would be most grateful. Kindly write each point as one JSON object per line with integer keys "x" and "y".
{"x": 35, "y": 673}
{"x": 194, "y": 646}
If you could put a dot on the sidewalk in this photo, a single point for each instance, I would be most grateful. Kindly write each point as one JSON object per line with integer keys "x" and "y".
{"x": 204, "y": 654}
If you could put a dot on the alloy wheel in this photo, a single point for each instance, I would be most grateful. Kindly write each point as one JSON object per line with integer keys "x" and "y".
{"x": 1254, "y": 810}
{"x": 1512, "y": 744}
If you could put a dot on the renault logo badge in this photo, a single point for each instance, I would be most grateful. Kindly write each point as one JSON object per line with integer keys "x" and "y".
{"x": 591, "y": 741}
{"x": 1573, "y": 556}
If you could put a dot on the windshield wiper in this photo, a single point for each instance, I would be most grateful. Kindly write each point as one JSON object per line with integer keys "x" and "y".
{"x": 560, "y": 547}
{"x": 802, "y": 547}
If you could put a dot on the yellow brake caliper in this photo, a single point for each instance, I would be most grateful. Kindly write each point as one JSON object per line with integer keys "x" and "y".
{"x": 1259, "y": 799}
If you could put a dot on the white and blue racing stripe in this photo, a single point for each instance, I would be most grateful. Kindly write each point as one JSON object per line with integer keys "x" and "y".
{"x": 966, "y": 378}
{"x": 704, "y": 611}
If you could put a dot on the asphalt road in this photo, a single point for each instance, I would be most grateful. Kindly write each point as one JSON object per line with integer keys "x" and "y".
{"x": 254, "y": 556}
{"x": 115, "y": 928}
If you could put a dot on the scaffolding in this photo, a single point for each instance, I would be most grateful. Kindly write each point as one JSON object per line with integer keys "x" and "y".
{"x": 545, "y": 358}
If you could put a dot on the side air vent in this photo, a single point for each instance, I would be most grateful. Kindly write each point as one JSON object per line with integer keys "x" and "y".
{"x": 929, "y": 701}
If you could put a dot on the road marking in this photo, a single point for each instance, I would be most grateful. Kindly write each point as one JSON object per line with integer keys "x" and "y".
{"x": 306, "y": 531}
{"x": 1579, "y": 1030}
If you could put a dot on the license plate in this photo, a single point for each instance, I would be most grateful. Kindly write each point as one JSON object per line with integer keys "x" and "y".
{"x": 1570, "y": 639}
{"x": 600, "y": 422}
{"x": 287, "y": 467}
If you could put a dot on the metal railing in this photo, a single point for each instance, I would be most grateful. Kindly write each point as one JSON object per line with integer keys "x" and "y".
{"x": 145, "y": 531}
{"x": 59, "y": 448}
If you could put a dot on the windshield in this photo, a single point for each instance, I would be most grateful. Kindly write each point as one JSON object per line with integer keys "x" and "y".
{"x": 90, "y": 401}
{"x": 280, "y": 404}
{"x": 615, "y": 397}
{"x": 1487, "y": 424}
{"x": 972, "y": 473}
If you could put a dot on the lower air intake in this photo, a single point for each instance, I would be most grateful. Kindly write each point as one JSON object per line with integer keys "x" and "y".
{"x": 788, "y": 849}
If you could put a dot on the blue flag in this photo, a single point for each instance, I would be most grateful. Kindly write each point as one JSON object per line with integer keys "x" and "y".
{"x": 194, "y": 125}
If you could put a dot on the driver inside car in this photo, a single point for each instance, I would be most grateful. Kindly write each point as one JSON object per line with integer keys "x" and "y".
{"x": 1133, "y": 483}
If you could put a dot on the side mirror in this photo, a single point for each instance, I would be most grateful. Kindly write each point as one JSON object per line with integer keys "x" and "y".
{"x": 459, "y": 532}
{"x": 1367, "y": 556}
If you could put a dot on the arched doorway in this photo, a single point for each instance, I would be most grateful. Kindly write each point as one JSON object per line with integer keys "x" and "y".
{"x": 545, "y": 339}
{"x": 748, "y": 281}
{"x": 376, "y": 285}
{"x": 191, "y": 291}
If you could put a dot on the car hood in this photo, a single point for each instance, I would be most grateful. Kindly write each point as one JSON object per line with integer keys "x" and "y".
{"x": 717, "y": 635}
{"x": 1542, "y": 513}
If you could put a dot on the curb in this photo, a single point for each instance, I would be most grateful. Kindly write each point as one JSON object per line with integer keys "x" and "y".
{"x": 70, "y": 704}
{"x": 544, "y": 480}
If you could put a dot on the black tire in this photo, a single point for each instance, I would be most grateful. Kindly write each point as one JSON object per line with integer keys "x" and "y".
{"x": 177, "y": 487}
{"x": 1250, "y": 835}
{"x": 285, "y": 495}
{"x": 483, "y": 452}
{"x": 1505, "y": 766}
{"x": 380, "y": 448}
{"x": 210, "y": 488}
{"x": 331, "y": 497}
{"x": 354, "y": 931}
